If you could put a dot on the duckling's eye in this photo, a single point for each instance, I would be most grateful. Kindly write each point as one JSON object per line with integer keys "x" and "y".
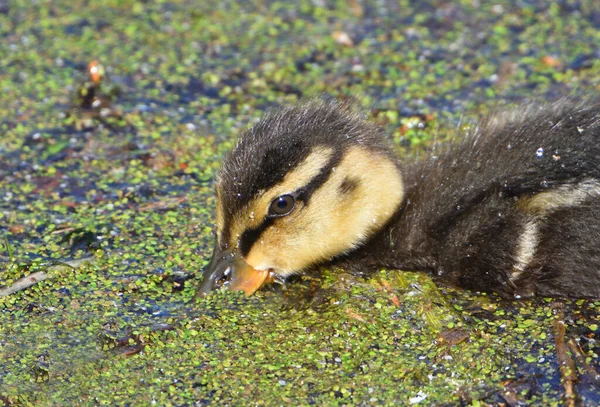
{"x": 282, "y": 205}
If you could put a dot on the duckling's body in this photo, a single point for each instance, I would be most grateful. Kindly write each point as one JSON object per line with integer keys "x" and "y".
{"x": 514, "y": 208}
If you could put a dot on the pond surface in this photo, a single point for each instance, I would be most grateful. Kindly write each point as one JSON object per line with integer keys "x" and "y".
{"x": 124, "y": 177}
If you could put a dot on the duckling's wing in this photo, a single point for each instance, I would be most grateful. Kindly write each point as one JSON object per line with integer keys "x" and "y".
{"x": 494, "y": 208}
{"x": 567, "y": 258}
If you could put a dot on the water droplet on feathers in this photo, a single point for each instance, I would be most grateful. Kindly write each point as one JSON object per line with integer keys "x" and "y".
{"x": 539, "y": 153}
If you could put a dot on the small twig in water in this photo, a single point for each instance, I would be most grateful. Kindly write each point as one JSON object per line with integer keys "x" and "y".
{"x": 566, "y": 364}
{"x": 166, "y": 204}
{"x": 38, "y": 276}
{"x": 23, "y": 283}
{"x": 594, "y": 376}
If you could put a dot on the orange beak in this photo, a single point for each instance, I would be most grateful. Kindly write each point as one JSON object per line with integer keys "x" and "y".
{"x": 228, "y": 269}
{"x": 246, "y": 278}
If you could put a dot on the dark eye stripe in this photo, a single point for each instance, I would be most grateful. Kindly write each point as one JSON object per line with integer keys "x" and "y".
{"x": 250, "y": 236}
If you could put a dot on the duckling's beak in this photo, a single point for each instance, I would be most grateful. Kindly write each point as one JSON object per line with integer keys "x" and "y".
{"x": 229, "y": 269}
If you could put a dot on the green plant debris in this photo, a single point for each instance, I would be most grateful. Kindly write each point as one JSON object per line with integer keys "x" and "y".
{"x": 131, "y": 187}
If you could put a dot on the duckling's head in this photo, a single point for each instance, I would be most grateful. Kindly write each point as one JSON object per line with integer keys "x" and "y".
{"x": 305, "y": 184}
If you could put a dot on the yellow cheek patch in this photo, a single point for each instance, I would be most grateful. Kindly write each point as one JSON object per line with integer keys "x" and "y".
{"x": 333, "y": 223}
{"x": 253, "y": 215}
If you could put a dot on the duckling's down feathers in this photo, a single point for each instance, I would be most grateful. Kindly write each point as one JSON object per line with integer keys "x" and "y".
{"x": 487, "y": 213}
{"x": 282, "y": 139}
{"x": 514, "y": 207}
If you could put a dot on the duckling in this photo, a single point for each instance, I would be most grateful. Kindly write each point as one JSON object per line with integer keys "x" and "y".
{"x": 513, "y": 208}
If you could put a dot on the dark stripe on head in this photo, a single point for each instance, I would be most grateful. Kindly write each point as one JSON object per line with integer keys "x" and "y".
{"x": 305, "y": 193}
{"x": 251, "y": 236}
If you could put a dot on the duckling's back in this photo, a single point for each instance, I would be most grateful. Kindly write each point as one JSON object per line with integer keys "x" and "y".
{"x": 514, "y": 208}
